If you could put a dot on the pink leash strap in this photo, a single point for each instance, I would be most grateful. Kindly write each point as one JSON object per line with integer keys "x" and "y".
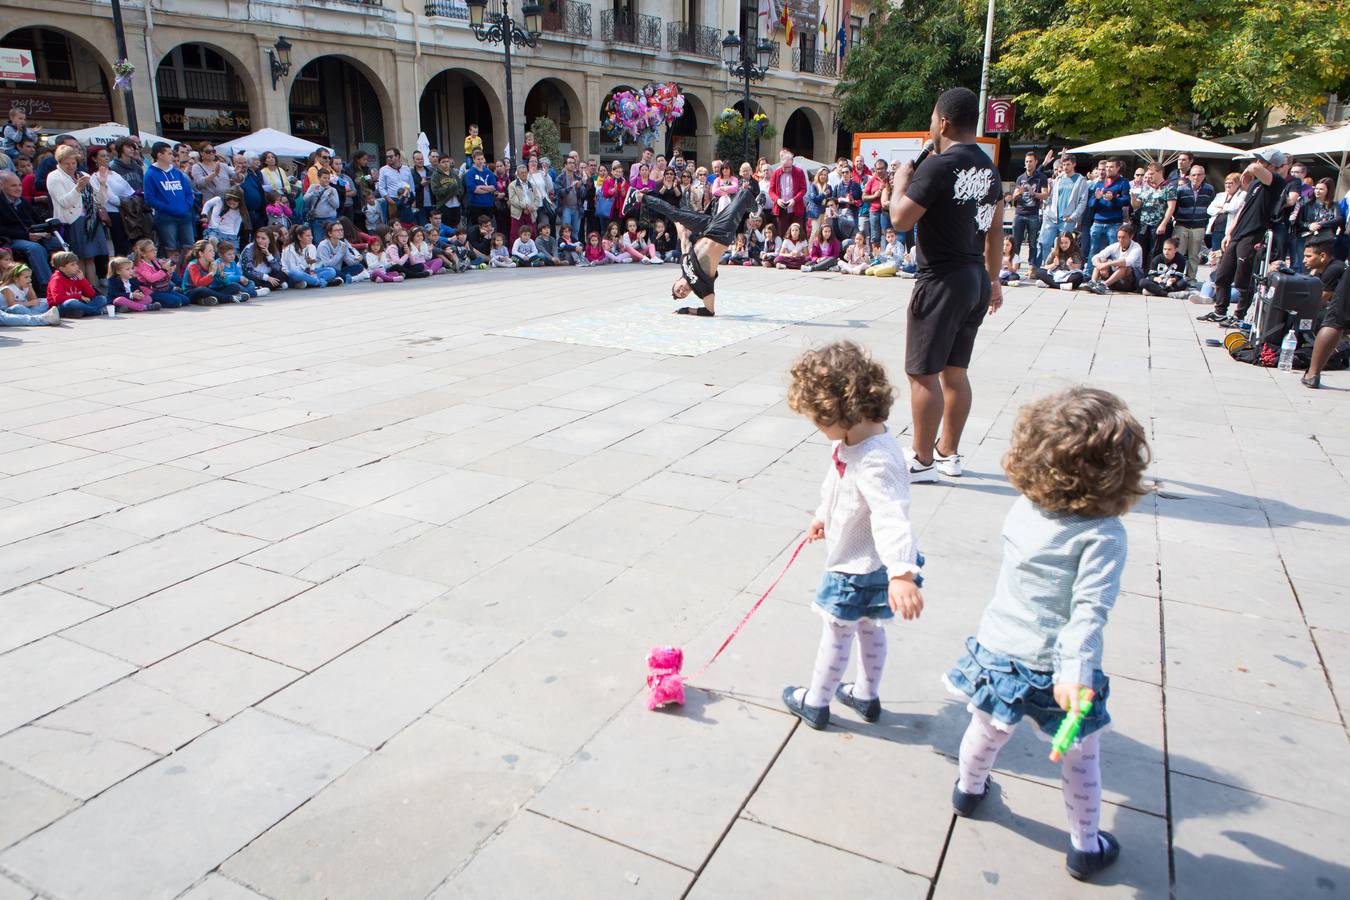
{"x": 737, "y": 630}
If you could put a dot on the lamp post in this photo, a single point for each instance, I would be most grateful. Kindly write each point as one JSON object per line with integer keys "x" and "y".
{"x": 500, "y": 28}
{"x": 279, "y": 55}
{"x": 127, "y": 97}
{"x": 747, "y": 65}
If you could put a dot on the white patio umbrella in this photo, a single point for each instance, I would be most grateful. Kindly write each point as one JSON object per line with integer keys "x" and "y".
{"x": 271, "y": 140}
{"x": 108, "y": 133}
{"x": 1331, "y": 147}
{"x": 1163, "y": 145}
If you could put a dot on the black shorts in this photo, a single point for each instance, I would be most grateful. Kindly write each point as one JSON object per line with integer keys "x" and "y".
{"x": 945, "y": 313}
{"x": 1336, "y": 314}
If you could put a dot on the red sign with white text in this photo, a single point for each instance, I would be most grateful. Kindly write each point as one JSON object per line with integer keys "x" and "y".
{"x": 1000, "y": 115}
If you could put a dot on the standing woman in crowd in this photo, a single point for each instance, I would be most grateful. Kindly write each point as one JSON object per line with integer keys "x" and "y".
{"x": 211, "y": 175}
{"x": 609, "y": 204}
{"x": 422, "y": 200}
{"x": 127, "y": 162}
{"x": 1224, "y": 207}
{"x": 1156, "y": 203}
{"x": 73, "y": 204}
{"x": 724, "y": 186}
{"x": 1317, "y": 217}
{"x": 110, "y": 189}
{"x": 817, "y": 192}
{"x": 274, "y": 177}
{"x": 698, "y": 194}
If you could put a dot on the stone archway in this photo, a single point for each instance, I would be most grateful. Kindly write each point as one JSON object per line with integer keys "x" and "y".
{"x": 690, "y": 130}
{"x": 336, "y": 101}
{"x": 804, "y": 134}
{"x": 205, "y": 94}
{"x": 553, "y": 98}
{"x": 73, "y": 89}
{"x": 453, "y": 100}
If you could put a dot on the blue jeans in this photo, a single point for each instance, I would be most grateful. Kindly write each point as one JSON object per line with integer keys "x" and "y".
{"x": 346, "y": 273}
{"x": 320, "y": 278}
{"x": 570, "y": 215}
{"x": 169, "y": 299}
{"x": 1296, "y": 244}
{"x": 1050, "y": 232}
{"x": 23, "y": 315}
{"x": 201, "y": 293}
{"x": 94, "y": 306}
{"x": 317, "y": 226}
{"x": 877, "y": 223}
{"x": 174, "y": 232}
{"x": 1027, "y": 228}
{"x": 37, "y": 256}
{"x": 1102, "y": 234}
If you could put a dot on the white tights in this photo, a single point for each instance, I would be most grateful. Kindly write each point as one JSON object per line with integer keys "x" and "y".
{"x": 1080, "y": 776}
{"x": 836, "y": 642}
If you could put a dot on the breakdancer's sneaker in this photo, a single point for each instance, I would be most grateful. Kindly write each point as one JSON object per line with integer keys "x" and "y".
{"x": 631, "y": 200}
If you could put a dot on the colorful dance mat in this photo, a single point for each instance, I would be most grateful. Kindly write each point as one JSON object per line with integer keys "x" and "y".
{"x": 649, "y": 326}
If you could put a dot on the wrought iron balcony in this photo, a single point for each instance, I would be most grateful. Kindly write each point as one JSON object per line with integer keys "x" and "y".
{"x": 627, "y": 28}
{"x": 701, "y": 40}
{"x": 456, "y": 9}
{"x": 813, "y": 62}
{"x": 567, "y": 17}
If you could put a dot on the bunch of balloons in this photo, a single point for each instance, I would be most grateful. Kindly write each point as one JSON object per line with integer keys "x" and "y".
{"x": 636, "y": 115}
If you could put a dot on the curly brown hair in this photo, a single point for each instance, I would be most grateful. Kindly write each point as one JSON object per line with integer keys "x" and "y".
{"x": 1080, "y": 451}
{"x": 840, "y": 384}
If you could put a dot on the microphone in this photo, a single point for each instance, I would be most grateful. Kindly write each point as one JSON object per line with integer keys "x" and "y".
{"x": 923, "y": 153}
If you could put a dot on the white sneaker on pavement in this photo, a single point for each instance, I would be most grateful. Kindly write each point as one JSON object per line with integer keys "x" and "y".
{"x": 947, "y": 465}
{"x": 52, "y": 316}
{"x": 918, "y": 472}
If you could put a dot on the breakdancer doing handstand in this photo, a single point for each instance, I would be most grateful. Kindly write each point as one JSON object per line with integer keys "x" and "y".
{"x": 703, "y": 240}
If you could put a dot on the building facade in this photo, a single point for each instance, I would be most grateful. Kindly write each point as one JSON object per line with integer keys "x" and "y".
{"x": 367, "y": 74}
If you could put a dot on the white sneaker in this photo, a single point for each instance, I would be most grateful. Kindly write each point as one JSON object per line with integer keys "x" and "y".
{"x": 919, "y": 473}
{"x": 263, "y": 292}
{"x": 52, "y": 316}
{"x": 947, "y": 465}
{"x": 363, "y": 275}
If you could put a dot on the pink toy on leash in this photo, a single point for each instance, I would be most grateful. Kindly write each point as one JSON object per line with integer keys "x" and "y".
{"x": 664, "y": 663}
{"x": 663, "y": 677}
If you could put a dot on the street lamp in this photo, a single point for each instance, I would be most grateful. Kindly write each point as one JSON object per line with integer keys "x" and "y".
{"x": 748, "y": 66}
{"x": 500, "y": 28}
{"x": 279, "y": 55}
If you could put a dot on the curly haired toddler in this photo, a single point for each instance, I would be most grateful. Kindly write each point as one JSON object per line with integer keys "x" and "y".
{"x": 1077, "y": 457}
{"x": 872, "y": 563}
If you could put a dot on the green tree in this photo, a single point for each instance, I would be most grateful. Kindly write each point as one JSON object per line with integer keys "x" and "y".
{"x": 1285, "y": 53}
{"x": 1105, "y": 67}
{"x": 891, "y": 80}
{"x": 546, "y": 139}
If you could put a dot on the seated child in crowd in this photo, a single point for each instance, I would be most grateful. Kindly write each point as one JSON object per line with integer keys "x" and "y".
{"x": 70, "y": 292}
{"x": 872, "y": 562}
{"x": 1166, "y": 276}
{"x": 664, "y": 242}
{"x": 570, "y": 252}
{"x": 825, "y": 251}
{"x": 500, "y": 258}
{"x": 1010, "y": 269}
{"x": 201, "y": 282}
{"x": 125, "y": 290}
{"x": 856, "y": 259}
{"x": 230, "y": 275}
{"x": 1078, "y": 458}
{"x": 738, "y": 254}
{"x": 156, "y": 275}
{"x": 375, "y": 262}
{"x": 19, "y": 303}
{"x": 524, "y": 252}
{"x": 548, "y": 245}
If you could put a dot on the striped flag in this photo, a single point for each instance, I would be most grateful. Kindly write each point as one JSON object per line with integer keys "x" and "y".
{"x": 786, "y": 19}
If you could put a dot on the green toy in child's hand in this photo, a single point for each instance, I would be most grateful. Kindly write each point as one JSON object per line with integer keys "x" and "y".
{"x": 1068, "y": 727}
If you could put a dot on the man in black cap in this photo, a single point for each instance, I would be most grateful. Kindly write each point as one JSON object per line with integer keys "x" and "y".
{"x": 1248, "y": 232}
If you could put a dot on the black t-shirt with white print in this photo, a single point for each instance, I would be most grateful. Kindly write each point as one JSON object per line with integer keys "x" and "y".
{"x": 959, "y": 188}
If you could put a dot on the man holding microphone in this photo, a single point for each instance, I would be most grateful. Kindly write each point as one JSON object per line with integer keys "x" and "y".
{"x": 955, "y": 197}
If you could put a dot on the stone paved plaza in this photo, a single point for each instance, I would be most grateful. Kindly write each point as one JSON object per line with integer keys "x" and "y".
{"x": 346, "y": 594}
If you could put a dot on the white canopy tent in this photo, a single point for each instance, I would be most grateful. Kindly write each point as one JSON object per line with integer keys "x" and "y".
{"x": 273, "y": 141}
{"x": 1162, "y": 145}
{"x": 109, "y": 132}
{"x": 809, "y": 166}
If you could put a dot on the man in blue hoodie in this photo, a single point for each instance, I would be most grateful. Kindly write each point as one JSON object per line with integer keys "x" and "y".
{"x": 1108, "y": 199}
{"x": 169, "y": 193}
{"x": 480, "y": 186}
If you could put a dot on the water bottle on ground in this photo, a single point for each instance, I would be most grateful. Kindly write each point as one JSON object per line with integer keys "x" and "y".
{"x": 1287, "y": 348}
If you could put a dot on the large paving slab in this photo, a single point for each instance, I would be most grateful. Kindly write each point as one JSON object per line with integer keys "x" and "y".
{"x": 289, "y": 609}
